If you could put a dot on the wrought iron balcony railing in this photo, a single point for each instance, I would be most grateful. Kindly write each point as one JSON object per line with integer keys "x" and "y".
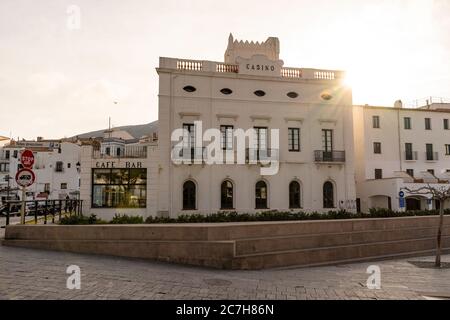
{"x": 329, "y": 156}
{"x": 432, "y": 156}
{"x": 127, "y": 152}
{"x": 189, "y": 155}
{"x": 411, "y": 156}
{"x": 254, "y": 155}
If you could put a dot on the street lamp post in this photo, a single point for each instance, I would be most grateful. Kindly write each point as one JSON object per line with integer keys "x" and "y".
{"x": 7, "y": 179}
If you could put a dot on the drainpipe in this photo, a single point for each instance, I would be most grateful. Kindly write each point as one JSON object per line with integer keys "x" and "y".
{"x": 398, "y": 105}
{"x": 170, "y": 204}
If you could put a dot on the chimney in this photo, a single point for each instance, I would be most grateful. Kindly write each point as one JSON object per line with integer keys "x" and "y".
{"x": 398, "y": 104}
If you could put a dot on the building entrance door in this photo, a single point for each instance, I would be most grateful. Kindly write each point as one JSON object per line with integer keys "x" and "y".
{"x": 412, "y": 204}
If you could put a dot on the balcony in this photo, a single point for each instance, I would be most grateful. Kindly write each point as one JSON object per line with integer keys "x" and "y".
{"x": 128, "y": 152}
{"x": 262, "y": 156}
{"x": 431, "y": 156}
{"x": 193, "y": 155}
{"x": 410, "y": 156}
{"x": 329, "y": 156}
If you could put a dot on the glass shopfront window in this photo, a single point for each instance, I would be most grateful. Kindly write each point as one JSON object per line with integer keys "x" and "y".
{"x": 119, "y": 188}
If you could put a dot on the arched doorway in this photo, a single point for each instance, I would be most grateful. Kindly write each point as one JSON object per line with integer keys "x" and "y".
{"x": 226, "y": 195}
{"x": 328, "y": 195}
{"x": 189, "y": 195}
{"x": 294, "y": 195}
{"x": 413, "y": 204}
{"x": 261, "y": 195}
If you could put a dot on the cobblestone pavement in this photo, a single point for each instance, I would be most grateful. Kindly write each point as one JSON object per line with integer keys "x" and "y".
{"x": 38, "y": 274}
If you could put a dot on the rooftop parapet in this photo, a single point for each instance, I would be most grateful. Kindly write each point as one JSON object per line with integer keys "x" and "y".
{"x": 186, "y": 65}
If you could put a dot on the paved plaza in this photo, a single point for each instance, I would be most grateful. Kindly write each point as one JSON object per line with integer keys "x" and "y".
{"x": 39, "y": 274}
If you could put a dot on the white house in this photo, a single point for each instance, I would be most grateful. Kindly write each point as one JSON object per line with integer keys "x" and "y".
{"x": 56, "y": 166}
{"x": 397, "y": 147}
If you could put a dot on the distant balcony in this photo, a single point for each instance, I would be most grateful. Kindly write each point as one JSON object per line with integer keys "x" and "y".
{"x": 255, "y": 156}
{"x": 329, "y": 156}
{"x": 432, "y": 156}
{"x": 127, "y": 152}
{"x": 192, "y": 155}
{"x": 410, "y": 156}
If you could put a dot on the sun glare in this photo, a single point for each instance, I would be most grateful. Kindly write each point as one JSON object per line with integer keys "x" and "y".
{"x": 378, "y": 54}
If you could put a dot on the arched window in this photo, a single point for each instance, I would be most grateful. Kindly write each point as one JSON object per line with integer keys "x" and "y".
{"x": 294, "y": 195}
{"x": 261, "y": 195}
{"x": 226, "y": 195}
{"x": 189, "y": 194}
{"x": 328, "y": 195}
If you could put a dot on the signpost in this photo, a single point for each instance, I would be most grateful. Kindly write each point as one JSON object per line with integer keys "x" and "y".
{"x": 27, "y": 159}
{"x": 25, "y": 177}
{"x": 401, "y": 199}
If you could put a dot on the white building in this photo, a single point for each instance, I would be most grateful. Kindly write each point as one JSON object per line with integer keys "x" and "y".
{"x": 330, "y": 154}
{"x": 397, "y": 148}
{"x": 251, "y": 88}
{"x": 122, "y": 182}
{"x": 56, "y": 166}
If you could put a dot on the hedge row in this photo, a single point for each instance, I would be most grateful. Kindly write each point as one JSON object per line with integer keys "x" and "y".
{"x": 246, "y": 217}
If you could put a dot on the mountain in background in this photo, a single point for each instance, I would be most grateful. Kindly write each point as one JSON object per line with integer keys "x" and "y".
{"x": 137, "y": 131}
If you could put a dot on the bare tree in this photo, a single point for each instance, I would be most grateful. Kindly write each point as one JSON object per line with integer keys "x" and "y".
{"x": 440, "y": 193}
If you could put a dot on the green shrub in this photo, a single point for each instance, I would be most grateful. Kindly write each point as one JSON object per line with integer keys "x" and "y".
{"x": 231, "y": 216}
{"x": 126, "y": 219}
{"x": 73, "y": 220}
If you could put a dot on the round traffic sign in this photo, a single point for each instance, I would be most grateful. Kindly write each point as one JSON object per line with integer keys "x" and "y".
{"x": 27, "y": 159}
{"x": 401, "y": 194}
{"x": 25, "y": 177}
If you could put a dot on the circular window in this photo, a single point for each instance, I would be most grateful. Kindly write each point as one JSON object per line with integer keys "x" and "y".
{"x": 189, "y": 89}
{"x": 326, "y": 96}
{"x": 259, "y": 93}
{"x": 292, "y": 94}
{"x": 226, "y": 91}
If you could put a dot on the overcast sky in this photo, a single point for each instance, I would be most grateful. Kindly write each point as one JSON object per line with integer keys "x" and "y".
{"x": 57, "y": 81}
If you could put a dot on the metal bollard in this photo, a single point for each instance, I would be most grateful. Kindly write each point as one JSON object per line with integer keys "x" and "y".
{"x": 60, "y": 209}
{"x": 35, "y": 211}
{"x": 8, "y": 209}
{"x": 53, "y": 211}
{"x": 45, "y": 212}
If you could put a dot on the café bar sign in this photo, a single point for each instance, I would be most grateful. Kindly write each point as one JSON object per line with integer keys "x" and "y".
{"x": 260, "y": 65}
{"x": 118, "y": 164}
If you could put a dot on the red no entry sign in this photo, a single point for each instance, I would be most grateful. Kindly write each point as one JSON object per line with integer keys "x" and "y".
{"x": 25, "y": 177}
{"x": 27, "y": 159}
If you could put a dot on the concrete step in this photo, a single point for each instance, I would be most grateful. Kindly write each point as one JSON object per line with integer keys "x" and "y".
{"x": 412, "y": 254}
{"x": 282, "y": 243}
{"x": 216, "y": 231}
{"x": 335, "y": 254}
{"x": 216, "y": 254}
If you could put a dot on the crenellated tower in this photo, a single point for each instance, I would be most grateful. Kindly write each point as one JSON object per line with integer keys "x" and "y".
{"x": 244, "y": 49}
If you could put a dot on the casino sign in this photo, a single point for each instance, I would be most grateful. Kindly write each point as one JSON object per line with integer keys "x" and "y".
{"x": 260, "y": 65}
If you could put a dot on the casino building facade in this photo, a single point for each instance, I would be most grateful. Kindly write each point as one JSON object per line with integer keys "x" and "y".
{"x": 250, "y": 89}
